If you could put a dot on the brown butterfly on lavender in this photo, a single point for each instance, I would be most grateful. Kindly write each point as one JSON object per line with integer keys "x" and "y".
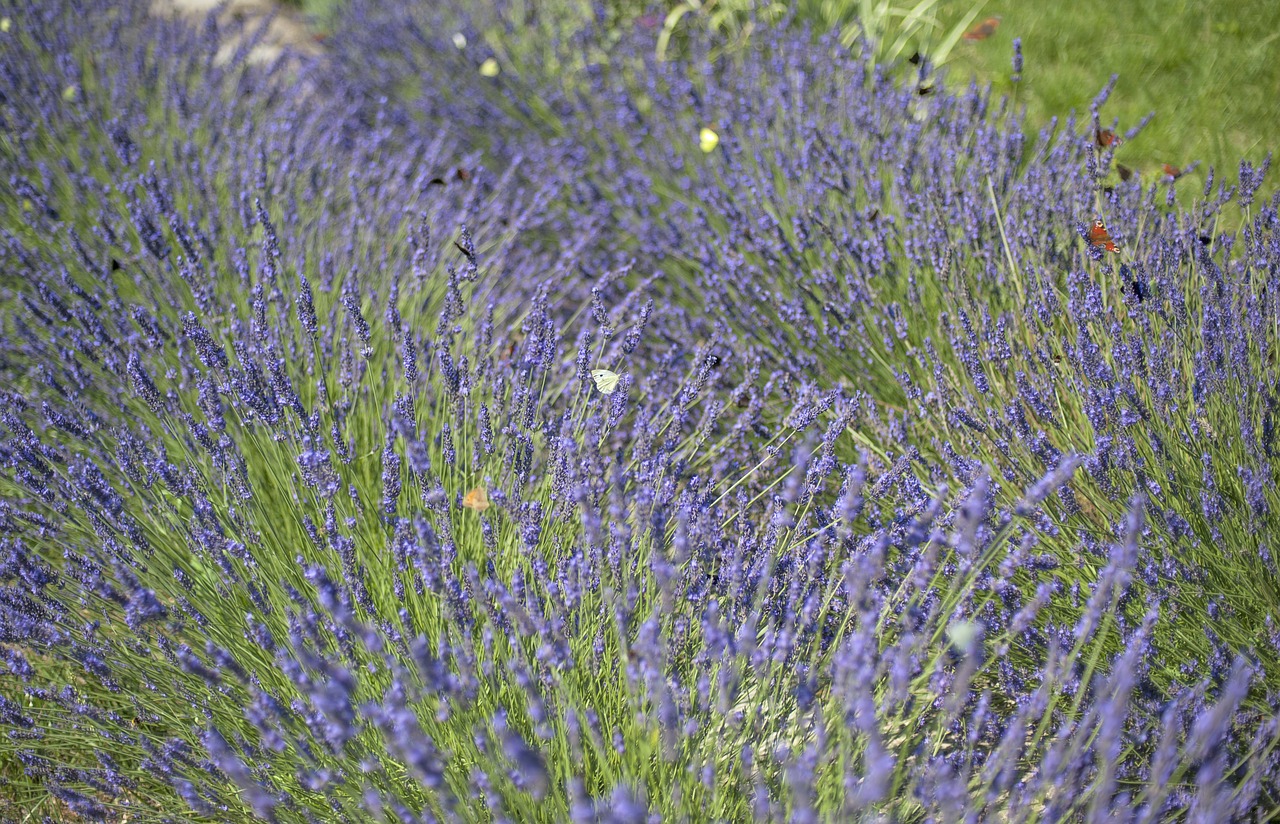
{"x": 1099, "y": 238}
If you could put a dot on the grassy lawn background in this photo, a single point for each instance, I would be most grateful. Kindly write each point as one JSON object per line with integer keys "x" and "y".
{"x": 1210, "y": 71}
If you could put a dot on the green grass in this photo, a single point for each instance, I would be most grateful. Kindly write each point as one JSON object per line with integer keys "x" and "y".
{"x": 1210, "y": 71}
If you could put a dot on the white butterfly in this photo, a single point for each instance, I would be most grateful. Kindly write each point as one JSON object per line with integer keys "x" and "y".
{"x": 966, "y": 635}
{"x": 606, "y": 381}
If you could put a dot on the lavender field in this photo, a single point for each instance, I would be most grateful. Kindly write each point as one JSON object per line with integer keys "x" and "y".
{"x": 481, "y": 419}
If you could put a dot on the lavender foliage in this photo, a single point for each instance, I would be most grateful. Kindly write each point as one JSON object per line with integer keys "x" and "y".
{"x": 905, "y": 504}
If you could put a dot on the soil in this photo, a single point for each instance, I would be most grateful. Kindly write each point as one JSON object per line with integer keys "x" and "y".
{"x": 288, "y": 28}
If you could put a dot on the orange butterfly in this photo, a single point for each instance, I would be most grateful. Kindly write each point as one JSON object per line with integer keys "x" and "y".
{"x": 1172, "y": 172}
{"x": 1099, "y": 236}
{"x": 983, "y": 30}
{"x": 1106, "y": 137}
{"x": 476, "y": 499}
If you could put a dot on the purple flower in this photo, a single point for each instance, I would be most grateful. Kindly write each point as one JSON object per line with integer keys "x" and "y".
{"x": 828, "y": 522}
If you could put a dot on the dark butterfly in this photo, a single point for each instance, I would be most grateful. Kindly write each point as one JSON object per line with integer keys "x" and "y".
{"x": 463, "y": 174}
{"x": 1106, "y": 137}
{"x": 983, "y": 30}
{"x": 924, "y": 91}
{"x": 116, "y": 265}
{"x": 1124, "y": 171}
{"x": 436, "y": 181}
{"x": 1139, "y": 291}
{"x": 1099, "y": 236}
{"x": 915, "y": 58}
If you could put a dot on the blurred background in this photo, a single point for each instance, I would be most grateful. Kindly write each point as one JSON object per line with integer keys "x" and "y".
{"x": 1208, "y": 70}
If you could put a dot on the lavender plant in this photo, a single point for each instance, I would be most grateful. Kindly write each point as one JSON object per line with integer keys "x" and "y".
{"x": 959, "y": 296}
{"x": 789, "y": 110}
{"x": 870, "y": 237}
{"x": 809, "y": 560}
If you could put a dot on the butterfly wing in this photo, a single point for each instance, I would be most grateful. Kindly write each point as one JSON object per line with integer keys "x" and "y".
{"x": 605, "y": 380}
{"x": 476, "y": 499}
{"x": 1099, "y": 236}
{"x": 983, "y": 30}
